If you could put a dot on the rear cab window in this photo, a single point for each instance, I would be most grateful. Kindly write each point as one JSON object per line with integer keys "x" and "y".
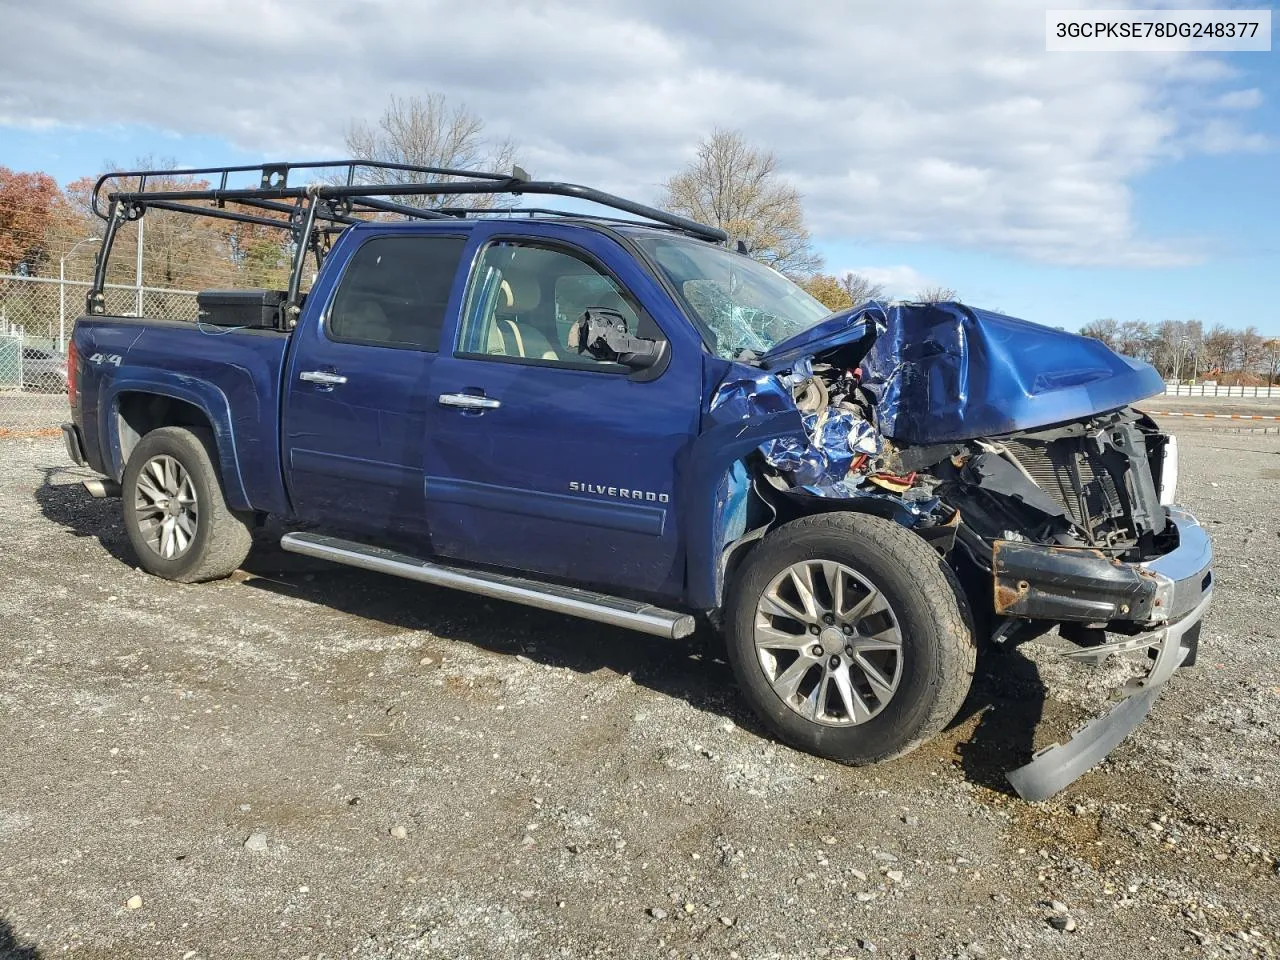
{"x": 395, "y": 292}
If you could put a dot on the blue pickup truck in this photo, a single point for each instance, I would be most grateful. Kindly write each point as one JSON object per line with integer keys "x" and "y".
{"x": 624, "y": 418}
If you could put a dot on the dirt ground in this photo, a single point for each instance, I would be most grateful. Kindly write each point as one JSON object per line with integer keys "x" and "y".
{"x": 310, "y": 761}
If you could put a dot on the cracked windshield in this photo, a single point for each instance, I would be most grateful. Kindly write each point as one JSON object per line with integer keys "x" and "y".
{"x": 744, "y": 305}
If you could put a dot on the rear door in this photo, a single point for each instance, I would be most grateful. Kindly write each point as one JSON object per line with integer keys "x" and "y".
{"x": 357, "y": 385}
{"x": 544, "y": 460}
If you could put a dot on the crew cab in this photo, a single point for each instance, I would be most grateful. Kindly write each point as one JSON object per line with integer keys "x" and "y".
{"x": 626, "y": 420}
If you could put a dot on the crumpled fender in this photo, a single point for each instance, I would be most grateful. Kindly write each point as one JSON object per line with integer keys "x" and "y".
{"x": 744, "y": 408}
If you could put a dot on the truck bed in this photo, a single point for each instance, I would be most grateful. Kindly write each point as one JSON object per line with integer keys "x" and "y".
{"x": 231, "y": 375}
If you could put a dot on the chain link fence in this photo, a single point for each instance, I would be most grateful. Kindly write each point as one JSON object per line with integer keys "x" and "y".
{"x": 36, "y": 317}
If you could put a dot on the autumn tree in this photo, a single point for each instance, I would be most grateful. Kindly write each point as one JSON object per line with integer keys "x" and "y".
{"x": 736, "y": 187}
{"x": 179, "y": 250}
{"x": 936, "y": 294}
{"x": 429, "y": 132}
{"x": 827, "y": 289}
{"x": 842, "y": 292}
{"x": 28, "y": 202}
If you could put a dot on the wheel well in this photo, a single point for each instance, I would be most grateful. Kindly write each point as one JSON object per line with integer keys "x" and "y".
{"x": 137, "y": 414}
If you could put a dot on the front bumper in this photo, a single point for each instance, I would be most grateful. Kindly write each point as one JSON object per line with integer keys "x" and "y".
{"x": 1040, "y": 582}
{"x": 1169, "y": 596}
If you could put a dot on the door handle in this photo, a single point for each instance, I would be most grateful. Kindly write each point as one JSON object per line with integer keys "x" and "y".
{"x": 322, "y": 376}
{"x": 469, "y": 401}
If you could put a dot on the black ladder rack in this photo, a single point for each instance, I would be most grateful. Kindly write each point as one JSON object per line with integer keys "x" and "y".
{"x": 329, "y": 206}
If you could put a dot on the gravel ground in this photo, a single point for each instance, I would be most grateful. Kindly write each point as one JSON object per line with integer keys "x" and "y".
{"x": 308, "y": 761}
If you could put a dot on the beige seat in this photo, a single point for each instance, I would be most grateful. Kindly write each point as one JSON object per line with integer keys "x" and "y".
{"x": 508, "y": 336}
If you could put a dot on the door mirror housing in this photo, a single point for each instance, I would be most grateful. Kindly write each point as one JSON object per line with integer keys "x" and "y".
{"x": 602, "y": 334}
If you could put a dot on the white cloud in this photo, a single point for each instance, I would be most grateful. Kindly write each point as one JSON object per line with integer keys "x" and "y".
{"x": 923, "y": 121}
{"x": 900, "y": 282}
{"x": 1241, "y": 99}
{"x": 1227, "y": 136}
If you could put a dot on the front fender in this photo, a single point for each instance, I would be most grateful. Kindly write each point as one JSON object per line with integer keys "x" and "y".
{"x": 201, "y": 394}
{"x": 714, "y": 453}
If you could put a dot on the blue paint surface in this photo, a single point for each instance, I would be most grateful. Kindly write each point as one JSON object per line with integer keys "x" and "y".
{"x": 946, "y": 371}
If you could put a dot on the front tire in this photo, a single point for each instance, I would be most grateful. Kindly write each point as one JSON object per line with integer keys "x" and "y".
{"x": 175, "y": 512}
{"x": 850, "y": 637}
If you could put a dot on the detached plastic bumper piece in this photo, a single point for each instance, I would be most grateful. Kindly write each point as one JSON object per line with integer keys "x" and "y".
{"x": 1172, "y": 593}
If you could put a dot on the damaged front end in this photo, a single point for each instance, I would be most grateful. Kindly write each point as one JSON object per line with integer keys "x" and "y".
{"x": 1011, "y": 448}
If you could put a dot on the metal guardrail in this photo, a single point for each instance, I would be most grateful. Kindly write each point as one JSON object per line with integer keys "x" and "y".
{"x": 1211, "y": 389}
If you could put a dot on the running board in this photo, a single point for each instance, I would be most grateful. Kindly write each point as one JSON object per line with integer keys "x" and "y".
{"x": 599, "y": 607}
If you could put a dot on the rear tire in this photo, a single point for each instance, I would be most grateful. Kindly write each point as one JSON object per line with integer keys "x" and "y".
{"x": 175, "y": 511}
{"x": 880, "y": 655}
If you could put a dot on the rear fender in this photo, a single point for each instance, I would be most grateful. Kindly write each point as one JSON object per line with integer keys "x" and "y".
{"x": 206, "y": 397}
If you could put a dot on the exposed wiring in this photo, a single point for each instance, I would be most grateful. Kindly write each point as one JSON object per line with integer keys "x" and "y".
{"x": 211, "y": 331}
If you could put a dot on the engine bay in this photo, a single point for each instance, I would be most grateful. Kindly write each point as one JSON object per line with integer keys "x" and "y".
{"x": 1092, "y": 483}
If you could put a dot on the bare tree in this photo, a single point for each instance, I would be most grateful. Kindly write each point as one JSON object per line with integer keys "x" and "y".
{"x": 736, "y": 187}
{"x": 1106, "y": 330}
{"x": 430, "y": 132}
{"x": 1135, "y": 338}
{"x": 860, "y": 289}
{"x": 1219, "y": 348}
{"x": 936, "y": 294}
{"x": 1271, "y": 353}
{"x": 1249, "y": 348}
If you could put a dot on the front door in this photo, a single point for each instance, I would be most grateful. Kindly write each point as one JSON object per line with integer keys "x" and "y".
{"x": 542, "y": 459}
{"x": 357, "y": 387}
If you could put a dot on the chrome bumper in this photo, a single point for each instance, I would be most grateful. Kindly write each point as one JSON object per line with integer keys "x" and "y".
{"x": 1184, "y": 575}
{"x": 1184, "y": 589}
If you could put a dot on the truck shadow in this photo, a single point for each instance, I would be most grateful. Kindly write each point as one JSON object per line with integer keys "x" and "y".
{"x": 63, "y": 500}
{"x": 11, "y": 948}
{"x": 694, "y": 669}
{"x": 1007, "y": 695}
{"x": 1007, "y": 699}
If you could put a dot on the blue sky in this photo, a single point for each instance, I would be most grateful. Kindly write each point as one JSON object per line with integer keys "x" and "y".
{"x": 937, "y": 145}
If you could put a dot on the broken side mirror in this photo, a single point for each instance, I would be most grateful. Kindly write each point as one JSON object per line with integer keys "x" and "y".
{"x": 602, "y": 334}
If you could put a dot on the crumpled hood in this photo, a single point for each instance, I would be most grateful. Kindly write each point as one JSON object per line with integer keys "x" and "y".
{"x": 947, "y": 372}
{"x": 847, "y": 326}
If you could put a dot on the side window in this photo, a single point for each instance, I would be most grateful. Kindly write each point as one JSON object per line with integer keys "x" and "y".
{"x": 395, "y": 291}
{"x": 525, "y": 299}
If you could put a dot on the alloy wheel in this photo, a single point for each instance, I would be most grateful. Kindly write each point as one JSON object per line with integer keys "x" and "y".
{"x": 828, "y": 642}
{"x": 166, "y": 506}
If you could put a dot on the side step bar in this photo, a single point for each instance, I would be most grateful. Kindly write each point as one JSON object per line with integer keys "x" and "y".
{"x": 599, "y": 607}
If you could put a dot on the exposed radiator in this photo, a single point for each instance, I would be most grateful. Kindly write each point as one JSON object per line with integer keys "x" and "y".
{"x": 1067, "y": 474}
